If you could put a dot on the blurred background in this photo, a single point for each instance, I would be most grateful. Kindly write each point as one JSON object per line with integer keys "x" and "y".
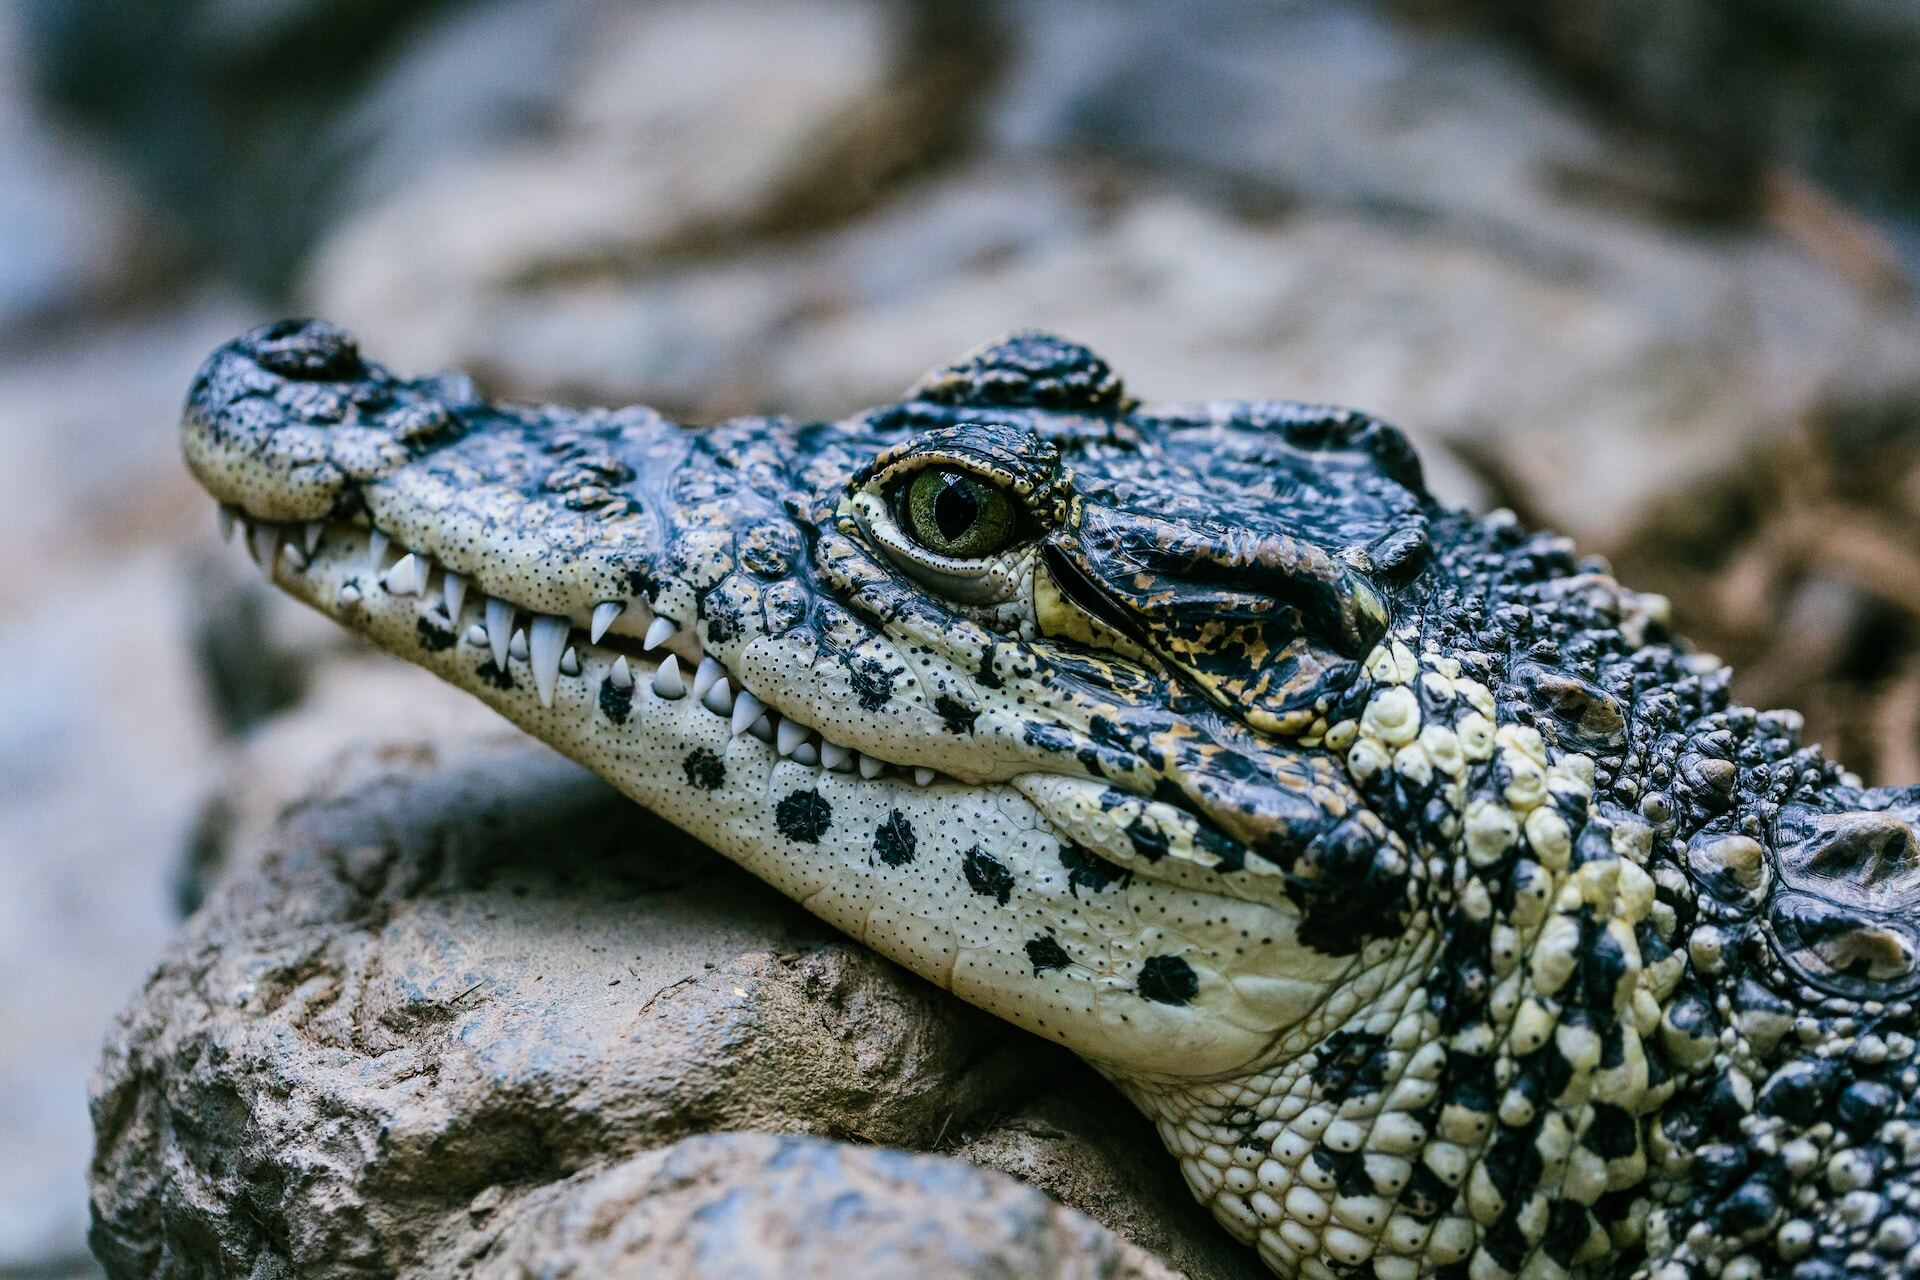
{"x": 1639, "y": 269}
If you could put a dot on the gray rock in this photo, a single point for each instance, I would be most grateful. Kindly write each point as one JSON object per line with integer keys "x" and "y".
{"x": 461, "y": 971}
{"x": 71, "y": 234}
{"x": 1427, "y": 244}
{"x": 760, "y": 1207}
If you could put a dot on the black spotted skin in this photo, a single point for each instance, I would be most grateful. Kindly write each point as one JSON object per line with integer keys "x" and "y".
{"x": 1439, "y": 906}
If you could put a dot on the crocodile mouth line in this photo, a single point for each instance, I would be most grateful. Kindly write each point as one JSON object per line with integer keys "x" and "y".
{"x": 630, "y": 642}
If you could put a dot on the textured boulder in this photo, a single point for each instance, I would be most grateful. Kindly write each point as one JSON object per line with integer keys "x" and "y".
{"x": 760, "y": 1207}
{"x": 460, "y": 983}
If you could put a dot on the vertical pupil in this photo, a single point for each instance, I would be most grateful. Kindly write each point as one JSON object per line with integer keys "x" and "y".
{"x": 955, "y": 508}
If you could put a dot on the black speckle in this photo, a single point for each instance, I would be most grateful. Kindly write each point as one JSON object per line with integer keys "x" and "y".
{"x": 704, "y": 769}
{"x": 958, "y": 716}
{"x": 1167, "y": 980}
{"x": 435, "y": 635}
{"x": 987, "y": 875}
{"x": 872, "y": 684}
{"x": 723, "y": 620}
{"x": 1350, "y": 1062}
{"x": 1089, "y": 869}
{"x": 1047, "y": 737}
{"x": 487, "y": 673}
{"x": 804, "y": 816}
{"x": 617, "y": 702}
{"x": 1150, "y": 842}
{"x": 1046, "y": 954}
{"x": 894, "y": 841}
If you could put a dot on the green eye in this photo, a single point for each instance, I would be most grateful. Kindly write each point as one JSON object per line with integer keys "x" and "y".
{"x": 954, "y": 513}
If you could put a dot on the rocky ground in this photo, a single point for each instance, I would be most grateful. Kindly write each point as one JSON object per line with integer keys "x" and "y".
{"x": 445, "y": 1003}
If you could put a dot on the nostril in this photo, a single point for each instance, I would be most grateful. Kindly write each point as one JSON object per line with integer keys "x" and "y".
{"x": 307, "y": 351}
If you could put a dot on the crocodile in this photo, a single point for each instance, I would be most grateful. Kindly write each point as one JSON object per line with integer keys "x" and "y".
{"x": 1432, "y": 897}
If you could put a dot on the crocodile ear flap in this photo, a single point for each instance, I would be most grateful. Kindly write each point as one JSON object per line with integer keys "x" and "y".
{"x": 1846, "y": 917}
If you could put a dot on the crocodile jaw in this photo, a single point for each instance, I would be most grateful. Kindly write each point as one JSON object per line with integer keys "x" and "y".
{"x": 884, "y": 858}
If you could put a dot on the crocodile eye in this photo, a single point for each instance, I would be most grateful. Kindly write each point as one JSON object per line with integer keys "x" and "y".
{"x": 957, "y": 514}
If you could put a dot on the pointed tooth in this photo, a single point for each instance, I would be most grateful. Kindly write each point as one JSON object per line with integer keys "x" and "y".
{"x": 454, "y": 588}
{"x": 310, "y": 536}
{"x": 408, "y": 577}
{"x": 476, "y": 635}
{"x": 517, "y": 646}
{"x": 227, "y": 521}
{"x": 603, "y": 615}
{"x": 349, "y": 594}
{"x": 549, "y": 640}
{"x": 833, "y": 755}
{"x": 792, "y": 734}
{"x": 923, "y": 775}
{"x": 621, "y": 676}
{"x": 570, "y": 662}
{"x": 658, "y": 633}
{"x": 746, "y": 709}
{"x": 806, "y": 753}
{"x": 293, "y": 555}
{"x": 377, "y": 548}
{"x": 666, "y": 681}
{"x": 499, "y": 627}
{"x": 263, "y": 543}
{"x": 719, "y": 699}
{"x": 704, "y": 675}
{"x": 871, "y": 768}
{"x": 762, "y": 727}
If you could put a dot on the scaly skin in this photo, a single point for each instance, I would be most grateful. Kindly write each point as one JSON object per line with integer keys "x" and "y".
{"x": 1431, "y": 898}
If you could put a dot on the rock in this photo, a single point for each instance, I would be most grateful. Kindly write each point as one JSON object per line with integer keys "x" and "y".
{"x": 1089, "y": 1148}
{"x": 71, "y": 233}
{"x": 760, "y": 1207}
{"x": 1464, "y": 273}
{"x": 461, "y": 967}
{"x": 104, "y": 745}
{"x": 1829, "y": 88}
{"x": 682, "y": 129}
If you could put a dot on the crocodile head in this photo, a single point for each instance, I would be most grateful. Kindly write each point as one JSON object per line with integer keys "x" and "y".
{"x": 1440, "y": 908}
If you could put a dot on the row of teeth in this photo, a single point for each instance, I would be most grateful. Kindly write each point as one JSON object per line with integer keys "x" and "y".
{"x": 545, "y": 644}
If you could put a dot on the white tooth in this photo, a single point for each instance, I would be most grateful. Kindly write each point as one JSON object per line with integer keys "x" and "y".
{"x": 454, "y": 588}
{"x": 833, "y": 755}
{"x": 549, "y": 640}
{"x": 408, "y": 577}
{"x": 603, "y": 615}
{"x": 659, "y": 633}
{"x": 746, "y": 709}
{"x": 349, "y": 594}
{"x": 227, "y": 520}
{"x": 499, "y": 626}
{"x": 310, "y": 536}
{"x": 704, "y": 675}
{"x": 923, "y": 775}
{"x": 792, "y": 734}
{"x": 263, "y": 542}
{"x": 719, "y": 699}
{"x": 518, "y": 645}
{"x": 476, "y": 635}
{"x": 377, "y": 548}
{"x": 806, "y": 754}
{"x": 569, "y": 662}
{"x": 762, "y": 728}
{"x": 666, "y": 681}
{"x": 871, "y": 768}
{"x": 621, "y": 677}
{"x": 293, "y": 555}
